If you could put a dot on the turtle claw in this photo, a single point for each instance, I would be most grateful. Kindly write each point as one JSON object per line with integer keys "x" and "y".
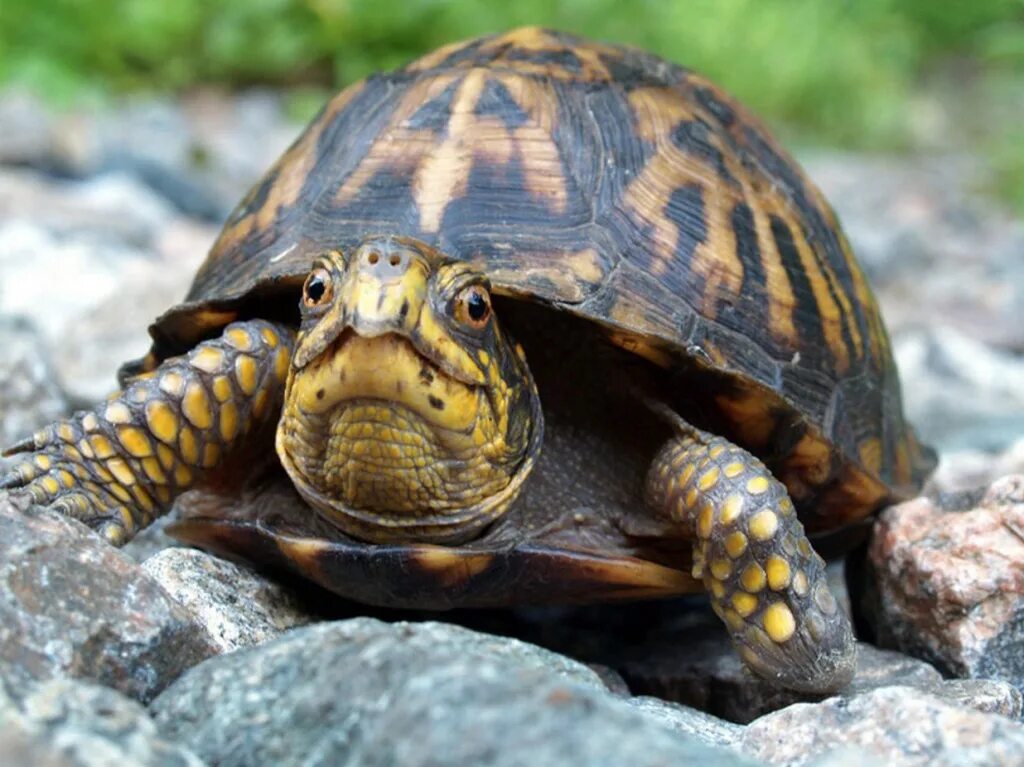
{"x": 47, "y": 477}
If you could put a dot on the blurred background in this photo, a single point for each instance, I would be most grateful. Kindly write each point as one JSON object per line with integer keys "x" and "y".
{"x": 130, "y": 128}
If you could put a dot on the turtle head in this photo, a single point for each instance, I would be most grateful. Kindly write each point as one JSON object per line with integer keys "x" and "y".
{"x": 409, "y": 413}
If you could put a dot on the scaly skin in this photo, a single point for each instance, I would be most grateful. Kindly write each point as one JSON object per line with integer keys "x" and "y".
{"x": 119, "y": 466}
{"x": 765, "y": 581}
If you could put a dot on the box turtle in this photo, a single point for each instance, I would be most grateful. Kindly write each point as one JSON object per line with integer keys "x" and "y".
{"x": 531, "y": 320}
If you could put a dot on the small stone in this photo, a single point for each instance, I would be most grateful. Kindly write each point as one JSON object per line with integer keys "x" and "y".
{"x": 962, "y": 394}
{"x": 64, "y": 723}
{"x": 153, "y": 539}
{"x": 889, "y": 725}
{"x": 962, "y": 471}
{"x": 990, "y": 696}
{"x": 698, "y": 667}
{"x": 70, "y": 605}
{"x": 111, "y": 256}
{"x": 29, "y": 395}
{"x": 946, "y": 585}
{"x": 365, "y": 692}
{"x": 688, "y": 721}
{"x": 237, "y": 606}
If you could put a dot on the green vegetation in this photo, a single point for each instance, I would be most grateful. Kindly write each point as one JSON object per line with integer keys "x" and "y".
{"x": 839, "y": 71}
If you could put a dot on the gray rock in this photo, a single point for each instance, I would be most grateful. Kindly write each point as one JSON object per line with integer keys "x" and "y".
{"x": 29, "y": 395}
{"x": 153, "y": 539}
{"x": 960, "y": 393}
{"x": 961, "y": 471}
{"x": 238, "y": 607}
{"x": 112, "y": 256}
{"x": 688, "y": 721}
{"x": 700, "y": 669}
{"x": 944, "y": 584}
{"x": 893, "y": 725}
{"x": 362, "y": 692}
{"x": 200, "y": 152}
{"x": 990, "y": 696}
{"x": 70, "y": 605}
{"x": 64, "y": 723}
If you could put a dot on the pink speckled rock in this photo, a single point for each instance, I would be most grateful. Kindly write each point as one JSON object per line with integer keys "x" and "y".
{"x": 949, "y": 583}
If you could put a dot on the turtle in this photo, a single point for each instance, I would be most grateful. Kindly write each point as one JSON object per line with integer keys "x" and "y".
{"x": 531, "y": 320}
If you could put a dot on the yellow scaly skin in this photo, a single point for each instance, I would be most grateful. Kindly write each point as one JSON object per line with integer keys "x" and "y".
{"x": 765, "y": 581}
{"x": 120, "y": 466}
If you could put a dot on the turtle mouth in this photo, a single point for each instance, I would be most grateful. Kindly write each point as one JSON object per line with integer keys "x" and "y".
{"x": 390, "y": 369}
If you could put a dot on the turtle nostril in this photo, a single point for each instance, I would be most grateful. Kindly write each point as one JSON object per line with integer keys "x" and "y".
{"x": 395, "y": 259}
{"x": 373, "y": 257}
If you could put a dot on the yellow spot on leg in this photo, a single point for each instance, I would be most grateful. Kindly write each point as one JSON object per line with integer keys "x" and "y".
{"x": 721, "y": 569}
{"x": 101, "y": 446}
{"x": 135, "y": 441}
{"x": 228, "y": 421}
{"x": 152, "y": 468}
{"x": 239, "y": 339}
{"x": 717, "y": 589}
{"x": 704, "y": 522}
{"x": 196, "y": 406}
{"x": 735, "y": 544}
{"x": 763, "y": 525}
{"x": 778, "y": 573}
{"x": 245, "y": 374}
{"x": 743, "y": 603}
{"x": 50, "y": 485}
{"x": 122, "y": 473}
{"x": 779, "y": 622}
{"x": 691, "y": 498}
{"x": 182, "y": 475}
{"x": 118, "y": 412}
{"x": 222, "y": 388}
{"x": 757, "y": 485}
{"x": 270, "y": 337}
{"x": 753, "y": 578}
{"x": 162, "y": 421}
{"x": 800, "y": 583}
{"x": 208, "y": 359}
{"x": 188, "y": 446}
{"x": 687, "y": 474}
{"x": 172, "y": 383}
{"x": 708, "y": 479}
{"x": 281, "y": 364}
{"x": 731, "y": 508}
{"x": 733, "y": 469}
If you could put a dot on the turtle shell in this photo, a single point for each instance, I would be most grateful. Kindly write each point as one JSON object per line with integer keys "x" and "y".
{"x": 618, "y": 187}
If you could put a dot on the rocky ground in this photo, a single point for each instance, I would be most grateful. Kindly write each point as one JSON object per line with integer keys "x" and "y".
{"x": 158, "y": 655}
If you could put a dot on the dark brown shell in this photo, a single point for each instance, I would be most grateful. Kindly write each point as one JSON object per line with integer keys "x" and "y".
{"x": 621, "y": 188}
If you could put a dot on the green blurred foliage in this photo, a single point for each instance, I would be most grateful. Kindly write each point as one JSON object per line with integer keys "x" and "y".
{"x": 838, "y": 70}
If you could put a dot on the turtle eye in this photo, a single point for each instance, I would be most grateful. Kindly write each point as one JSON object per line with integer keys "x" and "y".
{"x": 317, "y": 289}
{"x": 473, "y": 306}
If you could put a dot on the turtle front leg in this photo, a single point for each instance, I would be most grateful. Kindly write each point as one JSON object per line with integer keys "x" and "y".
{"x": 765, "y": 581}
{"x": 120, "y": 466}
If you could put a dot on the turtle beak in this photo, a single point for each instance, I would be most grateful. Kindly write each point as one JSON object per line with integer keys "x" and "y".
{"x": 384, "y": 289}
